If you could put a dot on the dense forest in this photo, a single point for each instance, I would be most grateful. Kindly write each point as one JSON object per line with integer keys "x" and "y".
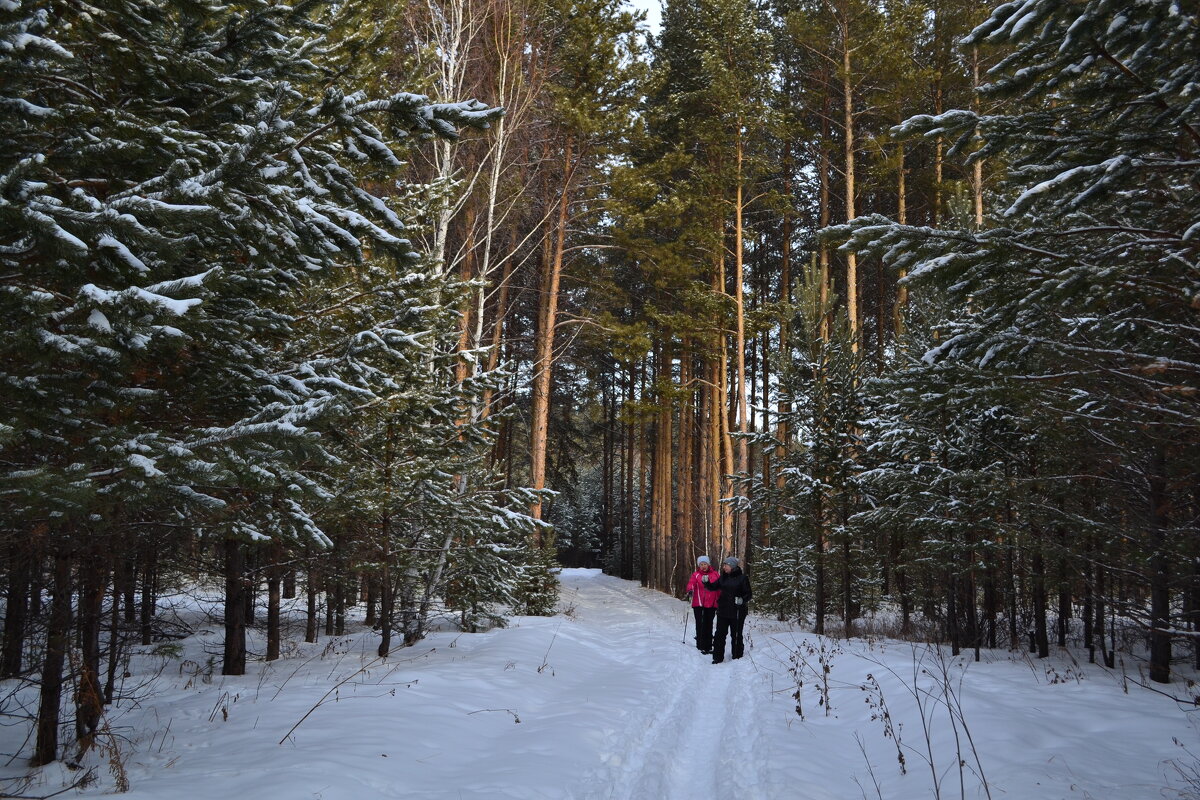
{"x": 399, "y": 306}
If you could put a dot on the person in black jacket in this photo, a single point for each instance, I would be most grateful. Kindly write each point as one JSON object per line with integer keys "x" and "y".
{"x": 731, "y": 609}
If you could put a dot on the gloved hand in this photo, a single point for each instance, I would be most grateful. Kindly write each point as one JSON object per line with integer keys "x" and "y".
{"x": 737, "y": 601}
{"x": 687, "y": 597}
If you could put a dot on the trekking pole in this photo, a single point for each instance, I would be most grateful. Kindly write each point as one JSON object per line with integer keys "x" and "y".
{"x": 684, "y": 639}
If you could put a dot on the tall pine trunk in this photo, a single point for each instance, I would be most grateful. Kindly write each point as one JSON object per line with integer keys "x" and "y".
{"x": 608, "y": 471}
{"x": 662, "y": 495}
{"x": 742, "y": 465}
{"x": 628, "y": 461}
{"x": 544, "y": 345}
{"x": 848, "y": 124}
{"x": 977, "y": 165}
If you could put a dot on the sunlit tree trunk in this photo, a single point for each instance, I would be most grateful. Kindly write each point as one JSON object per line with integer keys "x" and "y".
{"x": 663, "y": 495}
{"x": 628, "y": 464}
{"x": 643, "y": 480}
{"x": 686, "y": 469}
{"x": 726, "y": 409}
{"x": 848, "y": 125}
{"x": 784, "y": 407}
{"x": 544, "y": 345}
{"x": 742, "y": 464}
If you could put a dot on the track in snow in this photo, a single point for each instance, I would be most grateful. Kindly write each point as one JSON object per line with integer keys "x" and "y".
{"x": 696, "y": 719}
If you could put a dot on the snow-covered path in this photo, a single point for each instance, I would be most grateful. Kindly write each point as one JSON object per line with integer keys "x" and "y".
{"x": 605, "y": 702}
{"x": 695, "y": 719}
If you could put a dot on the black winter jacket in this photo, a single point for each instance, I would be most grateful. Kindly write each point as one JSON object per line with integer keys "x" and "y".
{"x": 733, "y": 584}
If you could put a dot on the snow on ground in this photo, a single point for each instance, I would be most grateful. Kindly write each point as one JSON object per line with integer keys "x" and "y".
{"x": 608, "y": 701}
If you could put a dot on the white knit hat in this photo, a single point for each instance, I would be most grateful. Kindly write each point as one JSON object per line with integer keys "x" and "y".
{"x": 703, "y": 560}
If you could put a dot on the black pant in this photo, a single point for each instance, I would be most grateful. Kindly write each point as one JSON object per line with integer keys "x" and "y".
{"x": 732, "y": 625}
{"x": 704, "y": 626}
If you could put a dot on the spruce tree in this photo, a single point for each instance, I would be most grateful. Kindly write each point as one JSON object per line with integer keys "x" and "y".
{"x": 1083, "y": 288}
{"x": 171, "y": 175}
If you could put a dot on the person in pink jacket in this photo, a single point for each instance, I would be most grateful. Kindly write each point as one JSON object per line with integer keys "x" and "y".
{"x": 704, "y": 602}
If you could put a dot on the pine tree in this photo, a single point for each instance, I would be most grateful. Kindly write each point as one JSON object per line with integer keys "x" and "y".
{"x": 814, "y": 542}
{"x": 686, "y": 212}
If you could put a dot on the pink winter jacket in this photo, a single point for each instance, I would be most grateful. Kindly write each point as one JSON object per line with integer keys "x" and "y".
{"x": 701, "y": 596}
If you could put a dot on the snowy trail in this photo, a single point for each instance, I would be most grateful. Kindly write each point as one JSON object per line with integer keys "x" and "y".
{"x": 695, "y": 724}
{"x": 604, "y": 702}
